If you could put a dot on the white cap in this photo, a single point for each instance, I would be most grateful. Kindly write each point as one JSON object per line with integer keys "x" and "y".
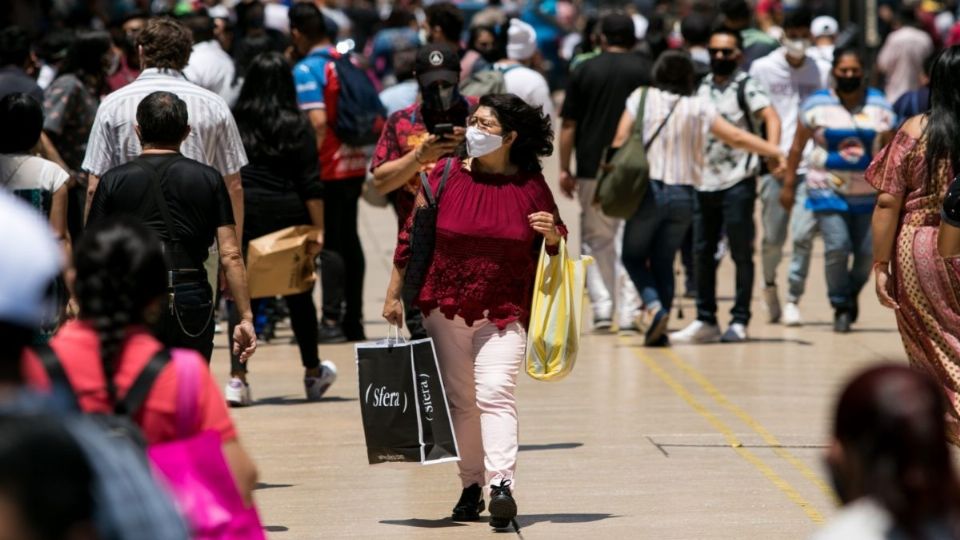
{"x": 30, "y": 261}
{"x": 275, "y": 17}
{"x": 640, "y": 26}
{"x": 824, "y": 25}
{"x": 521, "y": 40}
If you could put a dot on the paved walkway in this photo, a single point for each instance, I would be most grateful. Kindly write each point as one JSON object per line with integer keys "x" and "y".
{"x": 719, "y": 441}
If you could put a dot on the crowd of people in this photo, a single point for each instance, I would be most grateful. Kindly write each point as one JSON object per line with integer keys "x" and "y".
{"x": 156, "y": 140}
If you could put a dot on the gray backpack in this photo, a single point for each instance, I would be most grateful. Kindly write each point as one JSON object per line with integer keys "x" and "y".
{"x": 486, "y": 82}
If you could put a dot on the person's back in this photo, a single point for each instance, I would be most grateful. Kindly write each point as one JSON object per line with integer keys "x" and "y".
{"x": 597, "y": 90}
{"x": 213, "y": 138}
{"x": 902, "y": 56}
{"x": 14, "y": 56}
{"x": 528, "y": 84}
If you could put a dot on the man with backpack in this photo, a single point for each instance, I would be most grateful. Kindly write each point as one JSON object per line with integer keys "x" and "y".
{"x": 346, "y": 114}
{"x": 727, "y": 194}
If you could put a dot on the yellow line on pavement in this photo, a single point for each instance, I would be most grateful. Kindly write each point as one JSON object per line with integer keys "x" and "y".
{"x": 751, "y": 422}
{"x": 730, "y": 437}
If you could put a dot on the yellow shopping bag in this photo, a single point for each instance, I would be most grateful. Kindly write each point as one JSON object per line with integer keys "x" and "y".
{"x": 554, "y": 335}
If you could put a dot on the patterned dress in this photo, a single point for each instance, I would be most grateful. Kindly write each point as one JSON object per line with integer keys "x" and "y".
{"x": 926, "y": 284}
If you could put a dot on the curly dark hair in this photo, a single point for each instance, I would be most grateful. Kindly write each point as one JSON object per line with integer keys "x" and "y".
{"x": 533, "y": 128}
{"x": 166, "y": 44}
{"x": 120, "y": 271}
{"x": 673, "y": 72}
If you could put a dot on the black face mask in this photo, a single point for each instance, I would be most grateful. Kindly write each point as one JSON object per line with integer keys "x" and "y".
{"x": 847, "y": 85}
{"x": 440, "y": 98}
{"x": 723, "y": 68}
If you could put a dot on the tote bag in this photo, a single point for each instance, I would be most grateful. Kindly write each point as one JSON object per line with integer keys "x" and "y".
{"x": 553, "y": 338}
{"x": 196, "y": 472}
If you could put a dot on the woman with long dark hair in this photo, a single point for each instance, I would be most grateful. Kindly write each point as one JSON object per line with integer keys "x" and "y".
{"x": 495, "y": 210}
{"x": 890, "y": 461}
{"x": 121, "y": 287}
{"x": 281, "y": 188}
{"x": 913, "y": 174}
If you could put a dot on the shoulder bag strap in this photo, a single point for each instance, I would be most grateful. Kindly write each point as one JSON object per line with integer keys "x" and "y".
{"x": 434, "y": 199}
{"x": 656, "y": 133}
{"x": 188, "y": 391}
{"x": 138, "y": 392}
{"x": 57, "y": 375}
{"x": 157, "y": 186}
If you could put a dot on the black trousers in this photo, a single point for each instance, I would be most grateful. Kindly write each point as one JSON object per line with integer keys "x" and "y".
{"x": 730, "y": 210}
{"x": 303, "y": 320}
{"x": 341, "y": 237}
{"x": 191, "y": 325}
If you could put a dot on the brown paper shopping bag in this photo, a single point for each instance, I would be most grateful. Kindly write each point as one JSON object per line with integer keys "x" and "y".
{"x": 278, "y": 264}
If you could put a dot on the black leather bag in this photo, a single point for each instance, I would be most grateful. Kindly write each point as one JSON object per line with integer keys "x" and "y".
{"x": 423, "y": 239}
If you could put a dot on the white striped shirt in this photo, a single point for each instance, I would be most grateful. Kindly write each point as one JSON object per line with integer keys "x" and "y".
{"x": 214, "y": 139}
{"x": 676, "y": 156}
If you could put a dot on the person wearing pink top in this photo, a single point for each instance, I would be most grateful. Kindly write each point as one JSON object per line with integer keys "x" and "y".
{"x": 494, "y": 212}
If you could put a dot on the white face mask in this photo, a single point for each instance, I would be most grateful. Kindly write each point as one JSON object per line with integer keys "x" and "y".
{"x": 481, "y": 143}
{"x": 796, "y": 48}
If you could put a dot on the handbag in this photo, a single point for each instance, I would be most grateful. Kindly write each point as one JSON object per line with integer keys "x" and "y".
{"x": 403, "y": 403}
{"x": 195, "y": 471}
{"x": 553, "y": 338}
{"x": 423, "y": 238}
{"x": 624, "y": 179}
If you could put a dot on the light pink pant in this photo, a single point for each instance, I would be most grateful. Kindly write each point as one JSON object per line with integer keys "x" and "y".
{"x": 479, "y": 366}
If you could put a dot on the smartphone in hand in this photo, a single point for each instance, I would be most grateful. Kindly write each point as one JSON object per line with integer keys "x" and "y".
{"x": 443, "y": 130}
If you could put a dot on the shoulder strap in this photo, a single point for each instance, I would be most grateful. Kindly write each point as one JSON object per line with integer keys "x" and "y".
{"x": 656, "y": 133}
{"x": 155, "y": 183}
{"x": 641, "y": 108}
{"x": 57, "y": 375}
{"x": 431, "y": 198}
{"x": 747, "y": 113}
{"x": 138, "y": 392}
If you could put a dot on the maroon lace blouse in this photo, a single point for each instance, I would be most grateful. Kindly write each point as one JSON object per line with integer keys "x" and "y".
{"x": 485, "y": 259}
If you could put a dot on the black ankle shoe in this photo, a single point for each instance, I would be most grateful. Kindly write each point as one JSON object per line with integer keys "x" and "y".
{"x": 470, "y": 505}
{"x": 841, "y": 322}
{"x": 330, "y": 333}
{"x": 503, "y": 508}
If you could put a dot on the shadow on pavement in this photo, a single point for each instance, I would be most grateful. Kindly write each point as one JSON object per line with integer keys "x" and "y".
{"x": 552, "y": 446}
{"x": 276, "y": 528}
{"x": 526, "y": 520}
{"x": 287, "y": 400}
{"x": 264, "y": 485}
{"x": 443, "y": 523}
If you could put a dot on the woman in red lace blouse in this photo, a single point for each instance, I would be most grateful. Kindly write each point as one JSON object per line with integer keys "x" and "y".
{"x": 494, "y": 211}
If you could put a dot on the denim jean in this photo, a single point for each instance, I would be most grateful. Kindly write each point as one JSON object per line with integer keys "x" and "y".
{"x": 652, "y": 238}
{"x": 191, "y": 325}
{"x": 846, "y": 236}
{"x": 729, "y": 210}
{"x": 776, "y": 222}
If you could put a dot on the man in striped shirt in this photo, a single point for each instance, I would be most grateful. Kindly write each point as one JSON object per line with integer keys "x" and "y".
{"x": 164, "y": 46}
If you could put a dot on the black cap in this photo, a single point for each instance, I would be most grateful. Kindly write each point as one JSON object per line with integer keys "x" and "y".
{"x": 618, "y": 28}
{"x": 437, "y": 62}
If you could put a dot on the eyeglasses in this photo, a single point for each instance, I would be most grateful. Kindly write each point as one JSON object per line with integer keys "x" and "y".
{"x": 725, "y": 53}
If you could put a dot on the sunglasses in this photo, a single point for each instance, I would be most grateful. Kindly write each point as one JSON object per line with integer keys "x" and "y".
{"x": 723, "y": 52}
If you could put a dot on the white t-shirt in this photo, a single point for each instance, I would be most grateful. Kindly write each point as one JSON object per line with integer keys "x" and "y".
{"x": 528, "y": 85}
{"x": 676, "y": 156}
{"x": 788, "y": 87}
{"x": 32, "y": 178}
{"x": 212, "y": 68}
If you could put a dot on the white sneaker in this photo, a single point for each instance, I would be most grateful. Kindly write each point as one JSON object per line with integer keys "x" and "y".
{"x": 791, "y": 315}
{"x": 697, "y": 332}
{"x": 237, "y": 393}
{"x": 736, "y": 333}
{"x": 773, "y": 303}
{"x": 316, "y": 387}
{"x": 602, "y": 324}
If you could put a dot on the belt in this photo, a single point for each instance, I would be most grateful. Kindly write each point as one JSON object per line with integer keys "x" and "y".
{"x": 186, "y": 275}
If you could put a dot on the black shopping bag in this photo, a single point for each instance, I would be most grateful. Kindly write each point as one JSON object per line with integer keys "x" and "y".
{"x": 403, "y": 403}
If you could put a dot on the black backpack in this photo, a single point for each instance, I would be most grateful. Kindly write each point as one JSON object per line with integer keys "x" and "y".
{"x": 120, "y": 424}
{"x": 360, "y": 114}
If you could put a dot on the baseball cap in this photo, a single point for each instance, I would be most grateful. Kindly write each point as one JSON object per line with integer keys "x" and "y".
{"x": 31, "y": 260}
{"x": 437, "y": 62}
{"x": 824, "y": 25}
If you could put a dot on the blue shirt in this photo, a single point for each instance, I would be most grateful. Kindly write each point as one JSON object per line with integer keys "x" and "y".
{"x": 311, "y": 76}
